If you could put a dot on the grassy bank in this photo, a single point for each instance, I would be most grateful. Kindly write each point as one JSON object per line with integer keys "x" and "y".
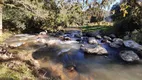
{"x": 4, "y": 36}
{"x": 15, "y": 70}
{"x": 97, "y": 27}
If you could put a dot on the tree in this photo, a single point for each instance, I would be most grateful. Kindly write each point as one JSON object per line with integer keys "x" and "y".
{"x": 28, "y": 15}
{"x": 127, "y": 16}
{"x": 24, "y": 15}
{"x": 0, "y": 18}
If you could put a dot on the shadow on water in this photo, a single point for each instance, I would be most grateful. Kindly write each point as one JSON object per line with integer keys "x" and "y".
{"x": 46, "y": 52}
{"x": 87, "y": 67}
{"x": 92, "y": 66}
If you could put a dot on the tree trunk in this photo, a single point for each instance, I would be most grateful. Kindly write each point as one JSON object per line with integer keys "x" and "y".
{"x": 0, "y": 19}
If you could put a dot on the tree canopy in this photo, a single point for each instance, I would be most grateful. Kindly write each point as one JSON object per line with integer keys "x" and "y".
{"x": 127, "y": 16}
{"x": 43, "y": 14}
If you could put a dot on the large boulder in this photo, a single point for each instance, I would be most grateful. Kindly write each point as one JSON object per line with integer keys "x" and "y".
{"x": 92, "y": 40}
{"x": 95, "y": 50}
{"x": 129, "y": 56}
{"x": 114, "y": 45}
{"x": 117, "y": 43}
{"x": 132, "y": 44}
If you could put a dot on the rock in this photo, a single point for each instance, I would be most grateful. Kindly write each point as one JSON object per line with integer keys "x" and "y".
{"x": 69, "y": 42}
{"x": 103, "y": 41}
{"x": 82, "y": 45}
{"x": 21, "y": 35}
{"x": 93, "y": 34}
{"x": 97, "y": 50}
{"x": 107, "y": 38}
{"x": 77, "y": 35}
{"x": 41, "y": 40}
{"x": 4, "y": 54}
{"x": 70, "y": 67}
{"x": 2, "y": 50}
{"x": 59, "y": 33}
{"x": 67, "y": 35}
{"x": 117, "y": 43}
{"x": 33, "y": 63}
{"x": 79, "y": 39}
{"x": 107, "y": 41}
{"x": 129, "y": 56}
{"x": 114, "y": 45}
{"x": 74, "y": 33}
{"x": 64, "y": 38}
{"x": 31, "y": 36}
{"x": 132, "y": 44}
{"x": 67, "y": 38}
{"x": 16, "y": 44}
{"x": 43, "y": 32}
{"x": 126, "y": 37}
{"x": 112, "y": 36}
{"x": 23, "y": 39}
{"x": 98, "y": 37}
{"x": 4, "y": 57}
{"x": 53, "y": 42}
{"x": 92, "y": 40}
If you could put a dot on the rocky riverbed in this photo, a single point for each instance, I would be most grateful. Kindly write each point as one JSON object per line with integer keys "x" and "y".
{"x": 74, "y": 55}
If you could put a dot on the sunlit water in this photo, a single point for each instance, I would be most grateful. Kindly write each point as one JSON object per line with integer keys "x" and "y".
{"x": 88, "y": 67}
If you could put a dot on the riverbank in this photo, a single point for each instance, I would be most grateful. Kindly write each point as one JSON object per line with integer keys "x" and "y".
{"x": 70, "y": 55}
{"x": 4, "y": 36}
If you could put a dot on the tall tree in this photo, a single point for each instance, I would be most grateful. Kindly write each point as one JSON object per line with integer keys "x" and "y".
{"x": 0, "y": 18}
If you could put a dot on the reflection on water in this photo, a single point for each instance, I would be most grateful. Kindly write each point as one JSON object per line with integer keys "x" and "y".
{"x": 87, "y": 67}
{"x": 91, "y": 67}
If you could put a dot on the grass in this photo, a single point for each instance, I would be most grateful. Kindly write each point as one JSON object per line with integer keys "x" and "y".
{"x": 14, "y": 70}
{"x": 18, "y": 72}
{"x": 94, "y": 28}
{"x": 4, "y": 36}
{"x": 102, "y": 25}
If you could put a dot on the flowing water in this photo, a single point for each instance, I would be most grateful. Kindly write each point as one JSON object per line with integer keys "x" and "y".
{"x": 87, "y": 67}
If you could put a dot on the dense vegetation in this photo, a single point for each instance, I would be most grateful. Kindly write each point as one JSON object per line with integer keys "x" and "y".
{"x": 44, "y": 14}
{"x": 32, "y": 16}
{"x": 128, "y": 19}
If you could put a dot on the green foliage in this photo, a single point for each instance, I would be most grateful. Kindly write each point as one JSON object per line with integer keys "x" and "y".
{"x": 16, "y": 13}
{"x": 4, "y": 36}
{"x": 33, "y": 16}
{"x": 137, "y": 35}
{"x": 124, "y": 8}
{"x": 128, "y": 17}
{"x": 16, "y": 72}
{"x": 94, "y": 28}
